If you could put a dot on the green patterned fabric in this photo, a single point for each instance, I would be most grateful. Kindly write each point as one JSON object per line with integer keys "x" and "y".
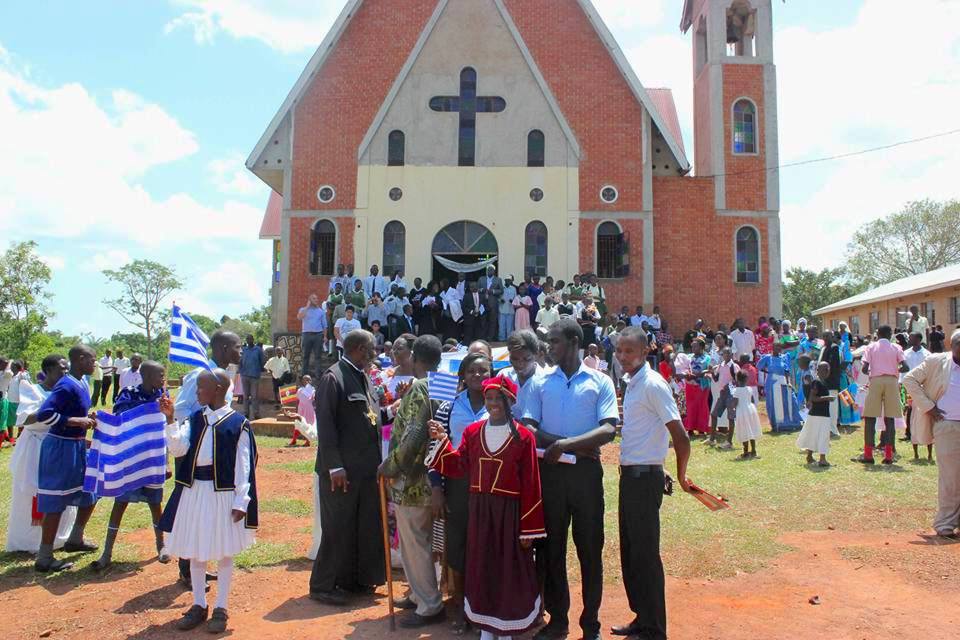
{"x": 409, "y": 440}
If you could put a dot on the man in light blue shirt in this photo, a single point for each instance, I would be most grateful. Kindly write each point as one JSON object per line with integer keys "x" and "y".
{"x": 650, "y": 419}
{"x": 572, "y": 409}
{"x": 313, "y": 329}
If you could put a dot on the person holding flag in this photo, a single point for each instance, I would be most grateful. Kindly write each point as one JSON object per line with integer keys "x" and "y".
{"x": 150, "y": 390}
{"x": 188, "y": 345}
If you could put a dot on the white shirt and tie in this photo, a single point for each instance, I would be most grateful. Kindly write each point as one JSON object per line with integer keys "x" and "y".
{"x": 376, "y": 284}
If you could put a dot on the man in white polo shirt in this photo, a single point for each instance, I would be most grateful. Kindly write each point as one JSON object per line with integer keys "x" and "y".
{"x": 650, "y": 420}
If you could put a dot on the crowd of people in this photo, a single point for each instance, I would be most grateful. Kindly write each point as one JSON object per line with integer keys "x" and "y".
{"x": 494, "y": 477}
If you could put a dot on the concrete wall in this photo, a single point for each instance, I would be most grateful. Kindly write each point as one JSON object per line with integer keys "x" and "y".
{"x": 497, "y": 198}
{"x": 938, "y": 310}
{"x": 489, "y": 48}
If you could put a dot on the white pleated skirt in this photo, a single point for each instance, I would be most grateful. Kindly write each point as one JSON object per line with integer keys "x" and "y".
{"x": 815, "y": 435}
{"x": 22, "y": 535}
{"x": 747, "y": 424}
{"x": 204, "y": 528}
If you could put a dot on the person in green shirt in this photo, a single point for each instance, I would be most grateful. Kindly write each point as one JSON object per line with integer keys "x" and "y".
{"x": 417, "y": 501}
{"x": 357, "y": 297}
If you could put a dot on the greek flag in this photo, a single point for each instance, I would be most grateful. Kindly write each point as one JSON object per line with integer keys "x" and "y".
{"x": 188, "y": 343}
{"x": 442, "y": 387}
{"x": 128, "y": 452}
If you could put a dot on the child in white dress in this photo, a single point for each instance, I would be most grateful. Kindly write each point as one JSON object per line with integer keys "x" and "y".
{"x": 212, "y": 512}
{"x": 747, "y": 421}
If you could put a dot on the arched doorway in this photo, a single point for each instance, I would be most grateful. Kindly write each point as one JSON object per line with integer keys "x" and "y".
{"x": 463, "y": 242}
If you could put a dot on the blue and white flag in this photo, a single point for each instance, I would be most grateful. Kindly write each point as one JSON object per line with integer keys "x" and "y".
{"x": 441, "y": 386}
{"x": 128, "y": 452}
{"x": 188, "y": 343}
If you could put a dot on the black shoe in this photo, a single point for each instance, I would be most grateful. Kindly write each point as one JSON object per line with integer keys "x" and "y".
{"x": 218, "y": 621}
{"x": 51, "y": 566}
{"x": 862, "y": 460}
{"x": 592, "y": 636}
{"x": 361, "y": 589}
{"x": 85, "y": 547}
{"x": 415, "y": 620}
{"x": 404, "y": 603}
{"x": 631, "y": 629}
{"x": 211, "y": 577}
{"x": 552, "y": 632}
{"x": 193, "y": 618}
{"x": 334, "y": 598}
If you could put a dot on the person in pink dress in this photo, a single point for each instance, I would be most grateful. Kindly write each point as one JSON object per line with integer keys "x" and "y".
{"x": 522, "y": 303}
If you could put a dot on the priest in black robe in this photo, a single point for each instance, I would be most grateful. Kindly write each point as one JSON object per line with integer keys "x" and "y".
{"x": 350, "y": 560}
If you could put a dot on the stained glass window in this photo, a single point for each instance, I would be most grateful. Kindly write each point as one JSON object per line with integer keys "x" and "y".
{"x": 748, "y": 255}
{"x": 536, "y": 148}
{"x": 394, "y": 247}
{"x": 465, "y": 237}
{"x": 535, "y": 249}
{"x": 396, "y": 150}
{"x": 323, "y": 245}
{"x": 468, "y": 104}
{"x": 744, "y": 127}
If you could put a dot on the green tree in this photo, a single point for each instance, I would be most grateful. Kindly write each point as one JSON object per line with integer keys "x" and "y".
{"x": 805, "y": 291}
{"x": 23, "y": 291}
{"x": 260, "y": 318}
{"x": 919, "y": 238}
{"x": 145, "y": 285}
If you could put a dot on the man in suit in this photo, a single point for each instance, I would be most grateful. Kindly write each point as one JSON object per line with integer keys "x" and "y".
{"x": 405, "y": 323}
{"x": 350, "y": 559}
{"x": 473, "y": 321}
{"x": 492, "y": 287}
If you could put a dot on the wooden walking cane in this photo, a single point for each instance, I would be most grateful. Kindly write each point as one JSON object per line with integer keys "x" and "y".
{"x": 386, "y": 549}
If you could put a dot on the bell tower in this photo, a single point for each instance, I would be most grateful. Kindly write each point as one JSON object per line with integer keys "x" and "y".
{"x": 735, "y": 101}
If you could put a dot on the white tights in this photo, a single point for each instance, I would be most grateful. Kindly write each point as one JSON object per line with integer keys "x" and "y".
{"x": 486, "y": 635}
{"x": 198, "y": 580}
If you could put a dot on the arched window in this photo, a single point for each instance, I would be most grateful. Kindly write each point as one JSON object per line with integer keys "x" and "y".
{"x": 394, "y": 248}
{"x": 396, "y": 149}
{"x": 748, "y": 255}
{"x": 536, "y": 148}
{"x": 744, "y": 127}
{"x": 612, "y": 251}
{"x": 535, "y": 249}
{"x": 323, "y": 247}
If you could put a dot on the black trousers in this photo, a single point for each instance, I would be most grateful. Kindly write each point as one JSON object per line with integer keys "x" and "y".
{"x": 351, "y": 548}
{"x": 573, "y": 492}
{"x": 116, "y": 386}
{"x": 95, "y": 396}
{"x": 640, "y": 500}
{"x": 105, "y": 388}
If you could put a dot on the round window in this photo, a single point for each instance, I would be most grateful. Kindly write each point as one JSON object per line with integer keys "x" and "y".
{"x": 609, "y": 194}
{"x": 326, "y": 194}
{"x": 536, "y": 194}
{"x": 396, "y": 193}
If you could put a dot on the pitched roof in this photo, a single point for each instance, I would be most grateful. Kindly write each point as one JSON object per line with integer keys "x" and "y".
{"x": 929, "y": 281}
{"x": 662, "y": 99}
{"x": 270, "y": 227}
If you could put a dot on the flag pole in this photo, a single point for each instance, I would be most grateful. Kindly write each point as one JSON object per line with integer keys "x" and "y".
{"x": 386, "y": 549}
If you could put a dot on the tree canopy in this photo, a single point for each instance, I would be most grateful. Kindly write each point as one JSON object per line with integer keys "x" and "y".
{"x": 919, "y": 238}
{"x": 145, "y": 285}
{"x": 24, "y": 278}
{"x": 805, "y": 291}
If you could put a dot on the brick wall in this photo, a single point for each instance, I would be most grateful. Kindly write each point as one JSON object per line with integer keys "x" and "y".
{"x": 746, "y": 177}
{"x": 593, "y": 96}
{"x": 300, "y": 283}
{"x": 337, "y": 109}
{"x": 619, "y": 291}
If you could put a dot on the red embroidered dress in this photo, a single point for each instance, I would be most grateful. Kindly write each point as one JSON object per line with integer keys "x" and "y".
{"x": 501, "y": 593}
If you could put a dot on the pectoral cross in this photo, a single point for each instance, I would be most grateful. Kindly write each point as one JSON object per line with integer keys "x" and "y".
{"x": 372, "y": 416}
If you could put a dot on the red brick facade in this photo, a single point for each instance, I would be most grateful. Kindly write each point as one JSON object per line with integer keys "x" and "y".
{"x": 745, "y": 174}
{"x": 301, "y": 284}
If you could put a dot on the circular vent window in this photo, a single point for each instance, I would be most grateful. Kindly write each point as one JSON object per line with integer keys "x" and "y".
{"x": 396, "y": 193}
{"x": 609, "y": 194}
{"x": 326, "y": 194}
{"x": 536, "y": 194}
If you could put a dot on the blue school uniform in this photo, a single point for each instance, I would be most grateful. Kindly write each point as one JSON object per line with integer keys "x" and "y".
{"x": 63, "y": 452}
{"x": 131, "y": 398}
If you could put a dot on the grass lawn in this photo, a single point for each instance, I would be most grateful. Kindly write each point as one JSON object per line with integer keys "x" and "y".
{"x": 770, "y": 495}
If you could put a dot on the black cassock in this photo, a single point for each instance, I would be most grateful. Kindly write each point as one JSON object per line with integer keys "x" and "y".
{"x": 348, "y": 437}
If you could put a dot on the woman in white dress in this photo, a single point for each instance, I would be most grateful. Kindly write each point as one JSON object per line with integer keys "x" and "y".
{"x": 23, "y": 530}
{"x": 747, "y": 421}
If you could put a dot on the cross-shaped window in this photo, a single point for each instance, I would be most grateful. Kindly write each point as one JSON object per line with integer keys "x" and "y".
{"x": 468, "y": 104}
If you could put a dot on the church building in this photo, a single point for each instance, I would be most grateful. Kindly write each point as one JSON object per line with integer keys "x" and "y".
{"x": 430, "y": 132}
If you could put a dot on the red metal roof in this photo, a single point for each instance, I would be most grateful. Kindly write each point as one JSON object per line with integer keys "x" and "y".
{"x": 662, "y": 99}
{"x": 270, "y": 227}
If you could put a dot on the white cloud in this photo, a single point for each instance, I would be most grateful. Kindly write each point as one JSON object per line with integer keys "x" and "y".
{"x": 110, "y": 259}
{"x": 56, "y": 263}
{"x": 72, "y": 167}
{"x": 230, "y": 288}
{"x": 285, "y": 25}
{"x": 230, "y": 176}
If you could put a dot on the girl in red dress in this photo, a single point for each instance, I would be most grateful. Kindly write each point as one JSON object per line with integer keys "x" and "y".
{"x": 502, "y": 595}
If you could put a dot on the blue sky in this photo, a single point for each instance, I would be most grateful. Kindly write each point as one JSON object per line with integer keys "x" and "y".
{"x": 127, "y": 124}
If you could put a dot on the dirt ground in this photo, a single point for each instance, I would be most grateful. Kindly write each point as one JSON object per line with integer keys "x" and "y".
{"x": 869, "y": 586}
